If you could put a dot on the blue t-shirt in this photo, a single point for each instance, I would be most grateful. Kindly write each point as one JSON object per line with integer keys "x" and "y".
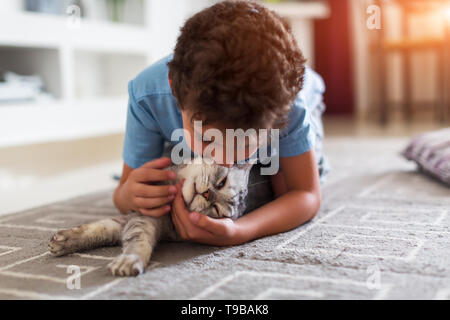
{"x": 153, "y": 115}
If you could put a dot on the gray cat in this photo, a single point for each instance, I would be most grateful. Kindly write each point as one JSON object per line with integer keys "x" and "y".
{"x": 209, "y": 189}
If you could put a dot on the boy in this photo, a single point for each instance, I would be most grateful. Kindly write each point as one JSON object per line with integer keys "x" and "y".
{"x": 235, "y": 65}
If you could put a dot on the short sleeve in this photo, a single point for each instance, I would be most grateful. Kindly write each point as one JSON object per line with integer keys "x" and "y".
{"x": 143, "y": 140}
{"x": 297, "y": 138}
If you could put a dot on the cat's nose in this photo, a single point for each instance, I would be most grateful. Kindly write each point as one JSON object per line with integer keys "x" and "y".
{"x": 206, "y": 194}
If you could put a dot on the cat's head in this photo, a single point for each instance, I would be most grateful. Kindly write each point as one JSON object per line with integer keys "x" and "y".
{"x": 215, "y": 190}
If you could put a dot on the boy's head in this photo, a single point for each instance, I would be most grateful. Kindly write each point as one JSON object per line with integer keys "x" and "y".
{"x": 236, "y": 65}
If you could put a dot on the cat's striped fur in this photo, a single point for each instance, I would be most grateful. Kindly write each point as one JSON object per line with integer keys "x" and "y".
{"x": 226, "y": 189}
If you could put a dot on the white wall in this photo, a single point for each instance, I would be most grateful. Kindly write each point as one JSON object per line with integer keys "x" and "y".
{"x": 165, "y": 20}
{"x": 11, "y": 5}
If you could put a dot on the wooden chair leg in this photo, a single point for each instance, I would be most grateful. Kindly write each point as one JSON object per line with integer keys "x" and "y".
{"x": 382, "y": 102}
{"x": 380, "y": 56}
{"x": 440, "y": 110}
{"x": 407, "y": 92}
{"x": 446, "y": 75}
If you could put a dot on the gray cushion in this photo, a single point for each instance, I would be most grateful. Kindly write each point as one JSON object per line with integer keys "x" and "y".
{"x": 431, "y": 151}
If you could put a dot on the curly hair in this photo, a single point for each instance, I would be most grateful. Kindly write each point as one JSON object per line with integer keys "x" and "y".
{"x": 237, "y": 63}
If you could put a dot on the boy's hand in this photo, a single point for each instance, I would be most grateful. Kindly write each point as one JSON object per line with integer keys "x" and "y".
{"x": 197, "y": 227}
{"x": 148, "y": 199}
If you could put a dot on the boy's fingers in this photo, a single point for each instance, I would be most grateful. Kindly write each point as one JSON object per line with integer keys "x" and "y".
{"x": 179, "y": 226}
{"x": 214, "y": 226}
{"x": 149, "y": 191}
{"x": 150, "y": 203}
{"x": 160, "y": 163}
{"x": 157, "y": 212}
{"x": 179, "y": 214}
{"x": 154, "y": 175}
{"x": 178, "y": 201}
{"x": 180, "y": 208}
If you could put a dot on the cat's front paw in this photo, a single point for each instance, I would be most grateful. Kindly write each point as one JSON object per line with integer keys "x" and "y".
{"x": 126, "y": 265}
{"x": 64, "y": 242}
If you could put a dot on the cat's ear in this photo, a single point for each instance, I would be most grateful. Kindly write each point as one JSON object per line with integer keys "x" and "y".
{"x": 243, "y": 166}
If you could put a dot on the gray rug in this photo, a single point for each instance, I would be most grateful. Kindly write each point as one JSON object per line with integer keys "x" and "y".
{"x": 383, "y": 233}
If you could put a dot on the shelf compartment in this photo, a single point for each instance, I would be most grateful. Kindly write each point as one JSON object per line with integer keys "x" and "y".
{"x": 48, "y": 31}
{"x": 22, "y": 124}
{"x": 42, "y": 62}
{"x": 104, "y": 74}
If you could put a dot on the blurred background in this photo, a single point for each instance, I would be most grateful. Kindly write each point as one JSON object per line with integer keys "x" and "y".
{"x": 65, "y": 65}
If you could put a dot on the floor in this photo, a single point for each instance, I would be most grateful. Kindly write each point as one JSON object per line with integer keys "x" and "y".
{"x": 35, "y": 175}
{"x": 383, "y": 232}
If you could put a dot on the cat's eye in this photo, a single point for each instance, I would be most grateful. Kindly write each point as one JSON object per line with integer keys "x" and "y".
{"x": 222, "y": 183}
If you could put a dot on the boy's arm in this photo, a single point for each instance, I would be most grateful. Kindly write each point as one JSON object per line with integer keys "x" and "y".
{"x": 298, "y": 201}
{"x": 298, "y": 198}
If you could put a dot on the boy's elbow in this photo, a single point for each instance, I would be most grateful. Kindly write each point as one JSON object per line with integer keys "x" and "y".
{"x": 317, "y": 202}
{"x": 319, "y": 199}
{"x": 309, "y": 205}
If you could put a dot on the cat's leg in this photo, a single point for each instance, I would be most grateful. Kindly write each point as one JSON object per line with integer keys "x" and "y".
{"x": 105, "y": 232}
{"x": 139, "y": 237}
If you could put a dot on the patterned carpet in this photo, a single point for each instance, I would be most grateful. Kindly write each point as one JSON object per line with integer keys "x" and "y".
{"x": 383, "y": 233}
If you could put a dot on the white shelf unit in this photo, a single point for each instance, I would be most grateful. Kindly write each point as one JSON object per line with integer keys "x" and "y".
{"x": 28, "y": 123}
{"x": 86, "y": 68}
